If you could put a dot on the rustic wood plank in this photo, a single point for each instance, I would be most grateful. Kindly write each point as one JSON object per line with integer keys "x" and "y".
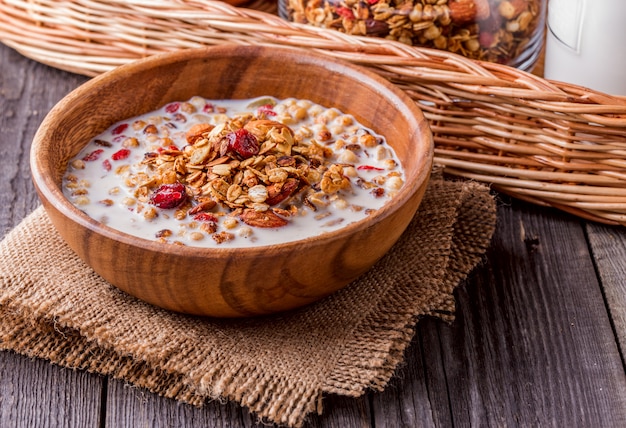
{"x": 406, "y": 401}
{"x": 130, "y": 406}
{"x": 532, "y": 344}
{"x": 28, "y": 90}
{"x": 608, "y": 245}
{"x": 35, "y": 393}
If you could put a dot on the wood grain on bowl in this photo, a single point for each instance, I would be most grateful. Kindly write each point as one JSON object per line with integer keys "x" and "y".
{"x": 231, "y": 282}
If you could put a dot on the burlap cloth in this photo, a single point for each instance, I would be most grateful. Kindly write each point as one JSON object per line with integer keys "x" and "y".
{"x": 55, "y": 307}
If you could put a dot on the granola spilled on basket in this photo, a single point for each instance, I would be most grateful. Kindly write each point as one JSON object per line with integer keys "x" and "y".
{"x": 238, "y": 172}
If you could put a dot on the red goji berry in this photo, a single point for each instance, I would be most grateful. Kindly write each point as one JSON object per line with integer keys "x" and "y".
{"x": 486, "y": 39}
{"x": 369, "y": 168}
{"x": 89, "y": 157}
{"x": 119, "y": 128}
{"x": 208, "y": 217}
{"x": 172, "y": 107}
{"x": 344, "y": 12}
{"x": 170, "y": 148}
{"x": 120, "y": 154}
{"x": 267, "y": 110}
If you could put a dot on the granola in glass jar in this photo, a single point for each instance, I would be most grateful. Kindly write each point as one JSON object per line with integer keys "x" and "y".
{"x": 508, "y": 32}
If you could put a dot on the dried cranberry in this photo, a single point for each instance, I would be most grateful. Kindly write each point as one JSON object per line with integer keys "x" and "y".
{"x": 106, "y": 165}
{"x": 267, "y": 110}
{"x": 120, "y": 154}
{"x": 93, "y": 155}
{"x": 368, "y": 168}
{"x": 208, "y": 108}
{"x": 169, "y": 195}
{"x": 119, "y": 128}
{"x": 208, "y": 217}
{"x": 243, "y": 143}
{"x": 172, "y": 107}
{"x": 486, "y": 39}
{"x": 344, "y": 12}
{"x": 171, "y": 149}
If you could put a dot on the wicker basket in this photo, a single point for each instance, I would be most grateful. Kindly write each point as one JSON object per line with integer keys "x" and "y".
{"x": 546, "y": 142}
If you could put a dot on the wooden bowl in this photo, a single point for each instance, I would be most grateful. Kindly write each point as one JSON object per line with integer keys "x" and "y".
{"x": 227, "y": 282}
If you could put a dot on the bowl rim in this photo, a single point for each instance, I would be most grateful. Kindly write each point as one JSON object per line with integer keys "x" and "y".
{"x": 52, "y": 193}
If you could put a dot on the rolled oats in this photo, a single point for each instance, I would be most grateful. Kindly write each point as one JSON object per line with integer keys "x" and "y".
{"x": 232, "y": 175}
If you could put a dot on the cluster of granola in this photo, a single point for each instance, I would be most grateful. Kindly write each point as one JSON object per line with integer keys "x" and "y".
{"x": 217, "y": 174}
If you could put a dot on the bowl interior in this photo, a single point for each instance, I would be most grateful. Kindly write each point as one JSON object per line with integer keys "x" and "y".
{"x": 226, "y": 72}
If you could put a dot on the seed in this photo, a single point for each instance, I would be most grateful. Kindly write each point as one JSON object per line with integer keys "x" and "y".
{"x": 380, "y": 153}
{"x": 472, "y": 45}
{"x": 245, "y": 232}
{"x": 340, "y": 204}
{"x": 348, "y": 156}
{"x": 82, "y": 200}
{"x": 130, "y": 142}
{"x": 368, "y": 140}
{"x": 394, "y": 183}
{"x": 150, "y": 213}
{"x": 129, "y": 202}
{"x": 432, "y": 32}
{"x": 230, "y": 223}
{"x": 390, "y": 164}
{"x": 196, "y": 236}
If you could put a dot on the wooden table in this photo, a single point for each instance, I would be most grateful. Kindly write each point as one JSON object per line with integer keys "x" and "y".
{"x": 538, "y": 340}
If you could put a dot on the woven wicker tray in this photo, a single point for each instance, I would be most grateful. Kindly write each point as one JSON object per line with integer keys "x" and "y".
{"x": 546, "y": 142}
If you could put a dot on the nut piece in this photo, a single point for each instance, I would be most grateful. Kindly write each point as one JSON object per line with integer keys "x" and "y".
{"x": 510, "y": 9}
{"x": 267, "y": 219}
{"x": 197, "y": 131}
{"x": 464, "y": 11}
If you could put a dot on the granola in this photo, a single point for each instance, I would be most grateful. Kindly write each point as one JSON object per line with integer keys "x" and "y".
{"x": 205, "y": 172}
{"x": 490, "y": 30}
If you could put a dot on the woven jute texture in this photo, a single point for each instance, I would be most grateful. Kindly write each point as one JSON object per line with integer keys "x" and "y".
{"x": 53, "y": 306}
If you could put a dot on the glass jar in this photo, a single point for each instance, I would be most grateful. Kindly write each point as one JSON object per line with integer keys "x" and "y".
{"x": 509, "y": 32}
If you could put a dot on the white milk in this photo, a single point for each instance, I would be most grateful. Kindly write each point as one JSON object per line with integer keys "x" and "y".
{"x": 92, "y": 184}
